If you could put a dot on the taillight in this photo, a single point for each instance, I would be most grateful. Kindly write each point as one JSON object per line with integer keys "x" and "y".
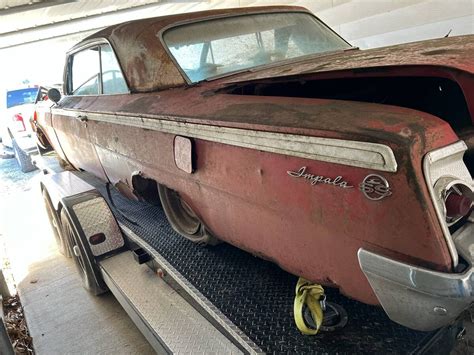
{"x": 33, "y": 121}
{"x": 457, "y": 206}
{"x": 457, "y": 201}
{"x": 18, "y": 122}
{"x": 457, "y": 198}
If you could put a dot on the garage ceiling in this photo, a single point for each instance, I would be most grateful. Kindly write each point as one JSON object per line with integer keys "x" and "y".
{"x": 44, "y": 19}
{"x": 17, "y": 6}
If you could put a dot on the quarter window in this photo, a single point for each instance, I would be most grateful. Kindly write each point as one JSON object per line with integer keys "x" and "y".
{"x": 96, "y": 71}
{"x": 85, "y": 72}
{"x": 112, "y": 78}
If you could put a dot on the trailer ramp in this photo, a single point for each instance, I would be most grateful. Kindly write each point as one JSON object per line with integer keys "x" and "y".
{"x": 169, "y": 323}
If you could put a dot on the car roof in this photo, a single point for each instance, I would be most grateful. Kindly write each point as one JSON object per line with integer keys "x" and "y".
{"x": 145, "y": 62}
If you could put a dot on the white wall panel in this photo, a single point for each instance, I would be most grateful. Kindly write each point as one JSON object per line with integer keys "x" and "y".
{"x": 407, "y": 17}
{"x": 462, "y": 25}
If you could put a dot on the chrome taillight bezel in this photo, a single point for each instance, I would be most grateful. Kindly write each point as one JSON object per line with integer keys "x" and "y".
{"x": 443, "y": 167}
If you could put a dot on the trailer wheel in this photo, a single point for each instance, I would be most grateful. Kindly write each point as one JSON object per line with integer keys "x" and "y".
{"x": 183, "y": 219}
{"x": 88, "y": 270}
{"x": 61, "y": 241}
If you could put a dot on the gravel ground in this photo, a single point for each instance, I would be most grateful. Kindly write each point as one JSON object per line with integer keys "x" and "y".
{"x": 12, "y": 179}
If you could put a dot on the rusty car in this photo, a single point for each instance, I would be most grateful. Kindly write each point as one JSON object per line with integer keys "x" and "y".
{"x": 263, "y": 128}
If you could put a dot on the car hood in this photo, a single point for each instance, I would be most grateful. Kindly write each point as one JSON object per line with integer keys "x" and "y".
{"x": 452, "y": 52}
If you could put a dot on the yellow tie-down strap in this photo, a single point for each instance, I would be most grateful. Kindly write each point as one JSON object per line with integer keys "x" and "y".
{"x": 310, "y": 294}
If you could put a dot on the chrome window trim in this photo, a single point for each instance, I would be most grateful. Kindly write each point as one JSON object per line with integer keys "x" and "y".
{"x": 367, "y": 155}
{"x": 83, "y": 46}
{"x": 429, "y": 159}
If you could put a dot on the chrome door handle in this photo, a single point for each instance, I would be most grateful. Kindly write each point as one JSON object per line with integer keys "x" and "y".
{"x": 82, "y": 118}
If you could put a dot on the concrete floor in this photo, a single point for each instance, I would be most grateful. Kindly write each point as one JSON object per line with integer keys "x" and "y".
{"x": 62, "y": 317}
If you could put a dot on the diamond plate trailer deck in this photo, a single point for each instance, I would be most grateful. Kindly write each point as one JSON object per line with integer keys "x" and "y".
{"x": 223, "y": 300}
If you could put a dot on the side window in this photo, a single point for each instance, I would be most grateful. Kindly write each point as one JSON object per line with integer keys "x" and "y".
{"x": 112, "y": 78}
{"x": 85, "y": 72}
{"x": 95, "y": 71}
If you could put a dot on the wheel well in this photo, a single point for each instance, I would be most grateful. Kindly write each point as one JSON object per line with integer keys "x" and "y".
{"x": 145, "y": 188}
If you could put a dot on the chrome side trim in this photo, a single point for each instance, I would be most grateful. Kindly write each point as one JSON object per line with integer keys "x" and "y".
{"x": 446, "y": 161}
{"x": 354, "y": 153}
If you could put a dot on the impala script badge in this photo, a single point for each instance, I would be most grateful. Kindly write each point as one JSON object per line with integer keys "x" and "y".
{"x": 319, "y": 179}
{"x": 375, "y": 187}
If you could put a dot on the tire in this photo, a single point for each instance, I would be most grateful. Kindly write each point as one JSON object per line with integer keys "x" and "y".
{"x": 23, "y": 159}
{"x": 42, "y": 142}
{"x": 61, "y": 241}
{"x": 88, "y": 271}
{"x": 41, "y": 150}
{"x": 183, "y": 219}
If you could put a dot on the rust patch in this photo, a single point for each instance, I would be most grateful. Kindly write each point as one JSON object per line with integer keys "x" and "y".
{"x": 441, "y": 51}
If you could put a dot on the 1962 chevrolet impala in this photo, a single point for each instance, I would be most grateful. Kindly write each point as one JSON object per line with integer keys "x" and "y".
{"x": 263, "y": 128}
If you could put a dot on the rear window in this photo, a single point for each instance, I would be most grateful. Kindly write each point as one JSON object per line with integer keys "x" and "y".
{"x": 21, "y": 97}
{"x": 222, "y": 46}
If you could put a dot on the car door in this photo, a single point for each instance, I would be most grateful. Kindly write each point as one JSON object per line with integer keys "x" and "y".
{"x": 83, "y": 85}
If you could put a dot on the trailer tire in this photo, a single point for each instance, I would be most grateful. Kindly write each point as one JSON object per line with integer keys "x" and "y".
{"x": 61, "y": 241}
{"x": 22, "y": 158}
{"x": 91, "y": 278}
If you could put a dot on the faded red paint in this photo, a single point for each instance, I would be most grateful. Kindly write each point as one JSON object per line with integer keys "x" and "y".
{"x": 245, "y": 196}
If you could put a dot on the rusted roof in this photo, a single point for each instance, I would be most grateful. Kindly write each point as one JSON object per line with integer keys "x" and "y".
{"x": 145, "y": 62}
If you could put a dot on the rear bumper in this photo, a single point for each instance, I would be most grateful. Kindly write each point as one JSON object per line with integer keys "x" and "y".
{"x": 419, "y": 298}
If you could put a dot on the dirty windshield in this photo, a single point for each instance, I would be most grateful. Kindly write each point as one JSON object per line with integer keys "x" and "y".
{"x": 217, "y": 47}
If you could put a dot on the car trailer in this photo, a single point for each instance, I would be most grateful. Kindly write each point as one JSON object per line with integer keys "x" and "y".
{"x": 188, "y": 299}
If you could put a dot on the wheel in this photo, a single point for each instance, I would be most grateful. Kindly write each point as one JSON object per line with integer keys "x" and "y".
{"x": 41, "y": 150}
{"x": 183, "y": 219}
{"x": 86, "y": 267}
{"x": 61, "y": 241}
{"x": 22, "y": 158}
{"x": 42, "y": 142}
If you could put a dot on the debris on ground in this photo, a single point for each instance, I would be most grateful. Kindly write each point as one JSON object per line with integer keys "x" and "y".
{"x": 6, "y": 153}
{"x": 16, "y": 326}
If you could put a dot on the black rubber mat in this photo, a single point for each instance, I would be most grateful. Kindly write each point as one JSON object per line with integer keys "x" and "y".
{"x": 258, "y": 296}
